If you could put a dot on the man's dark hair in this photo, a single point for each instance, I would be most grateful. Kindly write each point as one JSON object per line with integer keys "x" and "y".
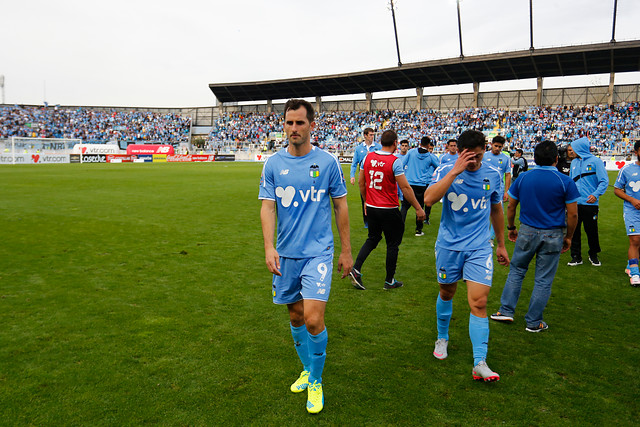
{"x": 388, "y": 138}
{"x": 519, "y": 150}
{"x": 499, "y": 139}
{"x": 470, "y": 139}
{"x": 545, "y": 153}
{"x": 636, "y": 145}
{"x": 367, "y": 130}
{"x": 452, "y": 140}
{"x": 294, "y": 104}
{"x": 425, "y": 141}
{"x": 404, "y": 141}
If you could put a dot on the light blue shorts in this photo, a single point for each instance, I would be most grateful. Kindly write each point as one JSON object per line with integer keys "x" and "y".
{"x": 632, "y": 222}
{"x": 476, "y": 266}
{"x": 303, "y": 278}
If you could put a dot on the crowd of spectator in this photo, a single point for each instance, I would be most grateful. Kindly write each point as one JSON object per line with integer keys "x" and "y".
{"x": 608, "y": 127}
{"x": 93, "y": 126}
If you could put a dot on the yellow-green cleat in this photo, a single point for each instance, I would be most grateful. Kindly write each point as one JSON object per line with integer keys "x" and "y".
{"x": 301, "y": 383}
{"x": 315, "y": 398}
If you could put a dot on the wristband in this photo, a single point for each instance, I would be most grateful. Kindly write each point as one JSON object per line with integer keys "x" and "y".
{"x": 511, "y": 228}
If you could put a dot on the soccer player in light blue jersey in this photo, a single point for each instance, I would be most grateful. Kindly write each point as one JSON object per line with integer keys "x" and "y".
{"x": 297, "y": 186}
{"x": 627, "y": 187}
{"x": 496, "y": 158}
{"x": 472, "y": 195}
{"x": 451, "y": 152}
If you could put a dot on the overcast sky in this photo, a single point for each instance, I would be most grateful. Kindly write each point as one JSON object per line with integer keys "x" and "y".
{"x": 165, "y": 53}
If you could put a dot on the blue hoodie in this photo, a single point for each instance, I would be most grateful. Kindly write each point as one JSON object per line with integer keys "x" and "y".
{"x": 588, "y": 172}
{"x": 419, "y": 165}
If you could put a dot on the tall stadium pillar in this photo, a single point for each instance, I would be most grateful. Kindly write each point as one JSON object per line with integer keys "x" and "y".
{"x": 419, "y": 92}
{"x": 612, "y": 79}
{"x": 269, "y": 106}
{"x": 318, "y": 104}
{"x": 476, "y": 94}
{"x": 539, "y": 92}
{"x": 369, "y": 96}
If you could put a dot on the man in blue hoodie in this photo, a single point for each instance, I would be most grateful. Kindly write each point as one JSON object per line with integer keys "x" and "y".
{"x": 590, "y": 176}
{"x": 419, "y": 165}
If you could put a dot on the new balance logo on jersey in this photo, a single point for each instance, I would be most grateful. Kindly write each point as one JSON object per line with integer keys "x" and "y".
{"x": 459, "y": 181}
{"x": 284, "y": 172}
{"x": 287, "y": 195}
{"x": 458, "y": 201}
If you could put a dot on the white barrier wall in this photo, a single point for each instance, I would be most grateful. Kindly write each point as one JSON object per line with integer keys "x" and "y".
{"x": 33, "y": 159}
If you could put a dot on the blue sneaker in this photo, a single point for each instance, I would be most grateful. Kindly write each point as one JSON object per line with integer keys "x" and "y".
{"x": 539, "y": 327}
{"x": 393, "y": 285}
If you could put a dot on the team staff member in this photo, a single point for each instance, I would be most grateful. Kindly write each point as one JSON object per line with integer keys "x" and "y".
{"x": 590, "y": 176}
{"x": 296, "y": 185}
{"x": 543, "y": 194}
{"x": 359, "y": 154}
{"x": 471, "y": 192}
{"x": 419, "y": 164}
{"x": 382, "y": 174}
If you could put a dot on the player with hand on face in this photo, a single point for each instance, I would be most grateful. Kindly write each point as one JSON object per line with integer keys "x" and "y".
{"x": 472, "y": 194}
{"x": 297, "y": 187}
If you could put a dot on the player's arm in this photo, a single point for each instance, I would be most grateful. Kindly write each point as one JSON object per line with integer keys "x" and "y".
{"x": 362, "y": 185}
{"x": 354, "y": 165}
{"x": 572, "y": 222}
{"x": 507, "y": 184}
{"x": 410, "y": 196}
{"x": 511, "y": 218}
{"x": 497, "y": 220}
{"x": 624, "y": 196}
{"x": 603, "y": 183}
{"x": 268, "y": 220}
{"x": 437, "y": 190}
{"x": 345, "y": 260}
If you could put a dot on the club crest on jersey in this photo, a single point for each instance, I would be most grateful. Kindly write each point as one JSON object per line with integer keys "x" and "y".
{"x": 485, "y": 184}
{"x": 589, "y": 168}
{"x": 632, "y": 229}
{"x": 314, "y": 171}
{"x": 442, "y": 274}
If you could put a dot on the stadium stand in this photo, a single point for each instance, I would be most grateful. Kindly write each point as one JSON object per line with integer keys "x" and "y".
{"x": 606, "y": 126}
{"x": 93, "y": 126}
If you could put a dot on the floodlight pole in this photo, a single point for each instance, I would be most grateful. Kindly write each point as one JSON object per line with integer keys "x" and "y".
{"x": 613, "y": 31}
{"x": 459, "y": 29}
{"x": 531, "y": 48}
{"x": 395, "y": 30}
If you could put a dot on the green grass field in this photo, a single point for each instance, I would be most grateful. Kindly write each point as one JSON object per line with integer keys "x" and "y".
{"x": 137, "y": 294}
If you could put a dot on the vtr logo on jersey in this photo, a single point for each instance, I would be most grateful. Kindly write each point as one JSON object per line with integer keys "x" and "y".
{"x": 287, "y": 195}
{"x": 375, "y": 163}
{"x": 458, "y": 201}
{"x": 635, "y": 186}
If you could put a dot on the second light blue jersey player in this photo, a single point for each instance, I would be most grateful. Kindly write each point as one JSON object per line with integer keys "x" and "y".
{"x": 629, "y": 181}
{"x": 303, "y": 205}
{"x": 472, "y": 193}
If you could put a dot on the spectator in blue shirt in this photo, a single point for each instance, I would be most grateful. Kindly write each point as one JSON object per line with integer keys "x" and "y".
{"x": 543, "y": 194}
{"x": 359, "y": 154}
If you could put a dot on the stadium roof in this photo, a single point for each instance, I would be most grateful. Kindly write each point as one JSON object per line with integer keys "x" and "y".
{"x": 550, "y": 62}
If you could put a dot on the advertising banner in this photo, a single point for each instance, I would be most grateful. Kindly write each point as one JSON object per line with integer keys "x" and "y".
{"x": 150, "y": 149}
{"x": 95, "y": 149}
{"x": 74, "y": 158}
{"x": 120, "y": 158}
{"x": 33, "y": 159}
{"x": 203, "y": 157}
{"x": 94, "y": 158}
{"x": 225, "y": 157}
{"x": 143, "y": 158}
{"x": 159, "y": 158}
{"x": 345, "y": 159}
{"x": 261, "y": 157}
{"x": 179, "y": 158}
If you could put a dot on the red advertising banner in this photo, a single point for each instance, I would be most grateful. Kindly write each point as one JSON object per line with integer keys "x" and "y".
{"x": 191, "y": 158}
{"x": 150, "y": 149}
{"x": 120, "y": 158}
{"x": 203, "y": 157}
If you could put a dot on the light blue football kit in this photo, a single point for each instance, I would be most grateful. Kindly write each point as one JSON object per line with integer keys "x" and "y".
{"x": 462, "y": 247}
{"x": 302, "y": 188}
{"x": 629, "y": 181}
{"x": 448, "y": 158}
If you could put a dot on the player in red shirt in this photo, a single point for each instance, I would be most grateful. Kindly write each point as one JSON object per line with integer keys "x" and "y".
{"x": 382, "y": 172}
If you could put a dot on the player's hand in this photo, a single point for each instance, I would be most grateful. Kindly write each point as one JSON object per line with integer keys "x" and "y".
{"x": 513, "y": 235}
{"x": 345, "y": 263}
{"x": 353, "y": 181}
{"x": 365, "y": 209}
{"x": 273, "y": 261}
{"x": 636, "y": 204}
{"x": 591, "y": 199}
{"x": 502, "y": 255}
{"x": 465, "y": 158}
{"x": 505, "y": 198}
{"x": 421, "y": 214}
{"x": 566, "y": 244}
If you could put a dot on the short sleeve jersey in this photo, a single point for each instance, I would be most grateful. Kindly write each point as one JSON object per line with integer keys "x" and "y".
{"x": 501, "y": 162}
{"x": 543, "y": 193}
{"x": 302, "y": 188}
{"x": 629, "y": 181}
{"x": 448, "y": 158}
{"x": 380, "y": 170}
{"x": 466, "y": 207}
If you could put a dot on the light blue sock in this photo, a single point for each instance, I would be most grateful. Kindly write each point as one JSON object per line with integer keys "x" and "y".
{"x": 479, "y": 334}
{"x": 317, "y": 355}
{"x": 301, "y": 342}
{"x": 444, "y": 309}
{"x": 633, "y": 270}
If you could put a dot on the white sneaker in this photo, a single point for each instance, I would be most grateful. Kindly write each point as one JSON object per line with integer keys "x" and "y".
{"x": 440, "y": 352}
{"x": 635, "y": 280}
{"x": 482, "y": 372}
